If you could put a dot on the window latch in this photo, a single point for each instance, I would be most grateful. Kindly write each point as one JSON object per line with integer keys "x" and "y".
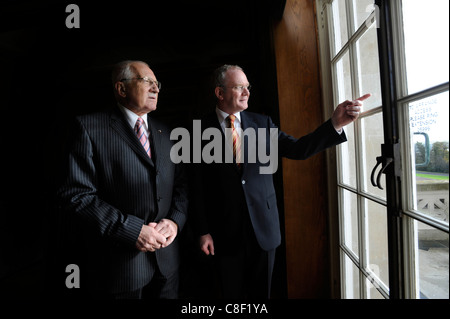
{"x": 385, "y": 160}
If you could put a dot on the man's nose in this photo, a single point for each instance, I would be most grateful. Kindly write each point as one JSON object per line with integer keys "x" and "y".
{"x": 153, "y": 88}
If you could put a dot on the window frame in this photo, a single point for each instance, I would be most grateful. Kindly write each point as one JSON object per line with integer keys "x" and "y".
{"x": 401, "y": 216}
{"x": 350, "y": 47}
{"x": 403, "y": 99}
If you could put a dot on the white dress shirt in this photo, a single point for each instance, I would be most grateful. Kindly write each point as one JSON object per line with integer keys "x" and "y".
{"x": 221, "y": 116}
{"x": 132, "y": 118}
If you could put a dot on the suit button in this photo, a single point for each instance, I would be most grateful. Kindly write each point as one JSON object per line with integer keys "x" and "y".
{"x": 243, "y": 182}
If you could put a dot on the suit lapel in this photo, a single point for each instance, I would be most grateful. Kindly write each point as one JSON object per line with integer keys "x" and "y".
{"x": 156, "y": 133}
{"x": 119, "y": 124}
{"x": 247, "y": 122}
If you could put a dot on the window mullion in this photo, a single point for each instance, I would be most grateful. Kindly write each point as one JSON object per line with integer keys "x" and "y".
{"x": 350, "y": 19}
{"x": 411, "y": 261}
{"x": 362, "y": 245}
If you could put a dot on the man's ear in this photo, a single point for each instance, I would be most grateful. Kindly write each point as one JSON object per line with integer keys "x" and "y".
{"x": 120, "y": 89}
{"x": 219, "y": 93}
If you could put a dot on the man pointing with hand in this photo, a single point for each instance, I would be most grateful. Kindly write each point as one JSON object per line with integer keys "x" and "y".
{"x": 234, "y": 206}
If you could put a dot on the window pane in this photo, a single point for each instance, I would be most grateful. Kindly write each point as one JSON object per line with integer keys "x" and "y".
{"x": 429, "y": 129}
{"x": 432, "y": 275}
{"x": 372, "y": 291}
{"x": 344, "y": 78}
{"x": 339, "y": 25}
{"x": 426, "y": 31}
{"x": 350, "y": 222}
{"x": 362, "y": 9}
{"x": 351, "y": 279}
{"x": 372, "y": 138}
{"x": 347, "y": 158}
{"x": 347, "y": 150}
{"x": 377, "y": 240}
{"x": 369, "y": 68}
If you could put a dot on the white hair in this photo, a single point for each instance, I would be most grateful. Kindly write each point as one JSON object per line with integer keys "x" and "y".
{"x": 124, "y": 70}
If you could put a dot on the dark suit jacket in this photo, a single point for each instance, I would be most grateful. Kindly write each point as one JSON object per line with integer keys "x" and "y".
{"x": 224, "y": 194}
{"x": 111, "y": 189}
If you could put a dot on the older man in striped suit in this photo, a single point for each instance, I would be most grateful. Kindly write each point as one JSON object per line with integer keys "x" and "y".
{"x": 127, "y": 198}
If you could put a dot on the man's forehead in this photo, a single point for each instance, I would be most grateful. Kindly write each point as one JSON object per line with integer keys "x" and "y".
{"x": 236, "y": 75}
{"x": 143, "y": 70}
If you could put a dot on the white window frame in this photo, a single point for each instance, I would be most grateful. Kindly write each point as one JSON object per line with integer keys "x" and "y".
{"x": 329, "y": 59}
{"x": 411, "y": 260}
{"x": 327, "y": 47}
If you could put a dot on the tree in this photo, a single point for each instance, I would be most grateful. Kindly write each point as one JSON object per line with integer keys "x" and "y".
{"x": 439, "y": 157}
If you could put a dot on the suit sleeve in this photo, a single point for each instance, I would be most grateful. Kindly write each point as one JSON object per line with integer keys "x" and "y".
{"x": 78, "y": 195}
{"x": 323, "y": 137}
{"x": 179, "y": 206}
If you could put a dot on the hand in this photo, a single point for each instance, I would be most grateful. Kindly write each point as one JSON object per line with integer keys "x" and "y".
{"x": 150, "y": 239}
{"x": 207, "y": 244}
{"x": 347, "y": 112}
{"x": 169, "y": 229}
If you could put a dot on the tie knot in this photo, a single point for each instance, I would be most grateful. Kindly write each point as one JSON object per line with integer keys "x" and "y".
{"x": 139, "y": 124}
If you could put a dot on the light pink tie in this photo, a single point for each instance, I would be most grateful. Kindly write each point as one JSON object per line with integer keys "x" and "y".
{"x": 140, "y": 132}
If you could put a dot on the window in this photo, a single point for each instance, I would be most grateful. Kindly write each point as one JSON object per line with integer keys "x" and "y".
{"x": 349, "y": 44}
{"x": 423, "y": 102}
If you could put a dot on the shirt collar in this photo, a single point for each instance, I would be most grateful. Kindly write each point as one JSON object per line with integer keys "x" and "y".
{"x": 132, "y": 117}
{"x": 221, "y": 115}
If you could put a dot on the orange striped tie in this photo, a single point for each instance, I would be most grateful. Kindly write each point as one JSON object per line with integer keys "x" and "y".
{"x": 236, "y": 141}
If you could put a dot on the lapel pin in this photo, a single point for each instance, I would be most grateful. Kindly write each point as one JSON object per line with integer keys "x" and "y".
{"x": 159, "y": 131}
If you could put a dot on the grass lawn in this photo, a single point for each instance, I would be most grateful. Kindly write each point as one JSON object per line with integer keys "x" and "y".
{"x": 437, "y": 177}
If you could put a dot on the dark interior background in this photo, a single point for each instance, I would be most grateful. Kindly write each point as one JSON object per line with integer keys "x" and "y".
{"x": 50, "y": 73}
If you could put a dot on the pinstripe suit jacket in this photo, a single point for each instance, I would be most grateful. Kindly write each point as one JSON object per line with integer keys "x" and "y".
{"x": 111, "y": 189}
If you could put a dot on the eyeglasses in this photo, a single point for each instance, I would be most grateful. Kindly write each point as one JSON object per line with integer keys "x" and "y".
{"x": 239, "y": 88}
{"x": 147, "y": 80}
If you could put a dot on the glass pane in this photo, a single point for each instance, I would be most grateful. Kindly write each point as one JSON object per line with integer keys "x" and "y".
{"x": 372, "y": 138}
{"x": 350, "y": 222}
{"x": 344, "y": 78}
{"x": 426, "y": 31}
{"x": 429, "y": 129}
{"x": 432, "y": 272}
{"x": 369, "y": 68}
{"x": 347, "y": 156}
{"x": 339, "y": 25}
{"x": 351, "y": 279}
{"x": 377, "y": 240}
{"x": 372, "y": 291}
{"x": 362, "y": 9}
{"x": 347, "y": 150}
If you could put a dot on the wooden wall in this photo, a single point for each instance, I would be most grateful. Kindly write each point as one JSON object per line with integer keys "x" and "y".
{"x": 304, "y": 182}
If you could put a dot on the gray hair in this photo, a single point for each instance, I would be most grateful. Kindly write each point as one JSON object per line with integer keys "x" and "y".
{"x": 124, "y": 70}
{"x": 219, "y": 74}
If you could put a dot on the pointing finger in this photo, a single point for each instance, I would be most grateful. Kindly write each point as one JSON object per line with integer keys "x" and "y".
{"x": 364, "y": 97}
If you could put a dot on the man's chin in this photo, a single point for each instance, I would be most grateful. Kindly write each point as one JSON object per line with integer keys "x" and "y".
{"x": 150, "y": 108}
{"x": 243, "y": 107}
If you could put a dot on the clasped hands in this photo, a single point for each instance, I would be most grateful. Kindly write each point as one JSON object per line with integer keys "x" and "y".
{"x": 155, "y": 236}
